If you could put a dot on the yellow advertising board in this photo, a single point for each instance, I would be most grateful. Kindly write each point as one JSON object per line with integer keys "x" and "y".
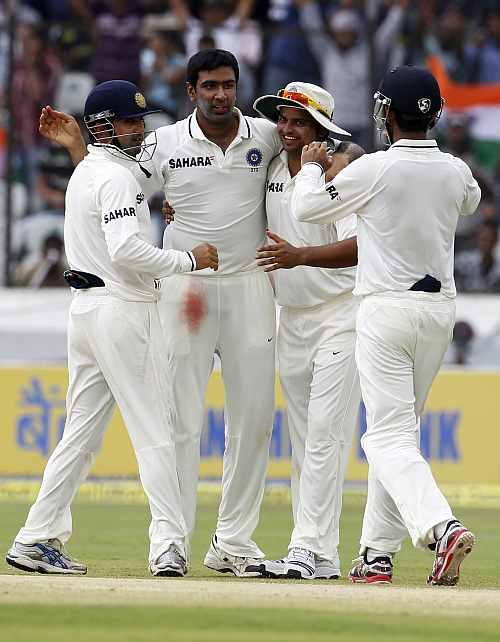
{"x": 460, "y": 430}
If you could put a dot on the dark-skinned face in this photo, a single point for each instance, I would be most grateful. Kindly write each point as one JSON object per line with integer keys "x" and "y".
{"x": 215, "y": 94}
{"x": 296, "y": 128}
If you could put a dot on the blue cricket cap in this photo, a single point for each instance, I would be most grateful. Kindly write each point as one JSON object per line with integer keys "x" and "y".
{"x": 115, "y": 99}
{"x": 414, "y": 92}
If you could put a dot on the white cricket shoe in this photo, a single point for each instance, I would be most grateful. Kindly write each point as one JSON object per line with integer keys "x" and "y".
{"x": 273, "y": 568}
{"x": 219, "y": 560}
{"x": 44, "y": 557}
{"x": 169, "y": 564}
{"x": 300, "y": 564}
{"x": 327, "y": 570}
{"x": 451, "y": 550}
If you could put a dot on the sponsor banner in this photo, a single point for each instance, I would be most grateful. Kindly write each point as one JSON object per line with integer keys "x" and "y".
{"x": 460, "y": 431}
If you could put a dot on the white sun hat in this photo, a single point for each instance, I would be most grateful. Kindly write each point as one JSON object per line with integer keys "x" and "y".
{"x": 301, "y": 95}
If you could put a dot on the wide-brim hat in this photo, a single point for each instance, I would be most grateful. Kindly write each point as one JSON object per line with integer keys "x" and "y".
{"x": 301, "y": 95}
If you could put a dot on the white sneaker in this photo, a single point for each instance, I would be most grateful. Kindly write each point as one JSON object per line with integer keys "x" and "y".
{"x": 44, "y": 557}
{"x": 273, "y": 568}
{"x": 170, "y": 564}
{"x": 300, "y": 564}
{"x": 219, "y": 560}
{"x": 326, "y": 570}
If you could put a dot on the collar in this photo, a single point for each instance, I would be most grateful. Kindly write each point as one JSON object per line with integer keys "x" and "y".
{"x": 416, "y": 144}
{"x": 244, "y": 130}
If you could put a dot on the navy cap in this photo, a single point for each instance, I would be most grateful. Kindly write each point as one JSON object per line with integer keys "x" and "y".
{"x": 414, "y": 92}
{"x": 115, "y": 99}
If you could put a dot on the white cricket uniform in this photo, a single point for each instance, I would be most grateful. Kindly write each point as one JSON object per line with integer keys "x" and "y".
{"x": 408, "y": 200}
{"x": 317, "y": 369}
{"x": 114, "y": 352}
{"x": 219, "y": 198}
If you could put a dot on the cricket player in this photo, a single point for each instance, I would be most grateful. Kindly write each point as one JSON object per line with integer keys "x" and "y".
{"x": 315, "y": 341}
{"x": 408, "y": 200}
{"x": 115, "y": 351}
{"x": 212, "y": 167}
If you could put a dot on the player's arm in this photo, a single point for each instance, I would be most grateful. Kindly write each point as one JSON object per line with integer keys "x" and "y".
{"x": 283, "y": 255}
{"x": 62, "y": 129}
{"x": 472, "y": 191}
{"x": 117, "y": 193}
{"x": 316, "y": 201}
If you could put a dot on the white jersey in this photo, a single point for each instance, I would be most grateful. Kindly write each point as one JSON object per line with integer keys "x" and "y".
{"x": 107, "y": 228}
{"x": 304, "y": 286}
{"x": 218, "y": 197}
{"x": 407, "y": 199}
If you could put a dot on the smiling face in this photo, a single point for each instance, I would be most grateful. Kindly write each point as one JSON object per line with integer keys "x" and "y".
{"x": 126, "y": 133}
{"x": 215, "y": 94}
{"x": 297, "y": 128}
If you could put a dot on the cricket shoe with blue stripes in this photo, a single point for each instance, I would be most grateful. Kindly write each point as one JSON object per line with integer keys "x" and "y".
{"x": 218, "y": 560}
{"x": 376, "y": 571}
{"x": 44, "y": 557}
{"x": 300, "y": 564}
{"x": 171, "y": 563}
{"x": 273, "y": 569}
{"x": 451, "y": 549}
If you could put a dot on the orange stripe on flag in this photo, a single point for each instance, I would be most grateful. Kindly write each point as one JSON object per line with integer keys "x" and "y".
{"x": 462, "y": 96}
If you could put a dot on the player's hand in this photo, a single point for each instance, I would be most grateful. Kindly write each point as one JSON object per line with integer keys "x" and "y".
{"x": 60, "y": 128}
{"x": 317, "y": 153}
{"x": 206, "y": 256}
{"x": 194, "y": 307}
{"x": 168, "y": 212}
{"x": 280, "y": 254}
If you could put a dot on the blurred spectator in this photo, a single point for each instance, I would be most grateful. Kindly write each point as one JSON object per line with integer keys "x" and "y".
{"x": 342, "y": 52}
{"x": 446, "y": 38}
{"x": 478, "y": 270}
{"x": 485, "y": 55}
{"x": 288, "y": 55}
{"x": 227, "y": 22}
{"x": 163, "y": 71}
{"x": 463, "y": 334}
{"x": 54, "y": 171}
{"x": 46, "y": 270}
{"x": 36, "y": 71}
{"x": 72, "y": 35}
{"x": 118, "y": 43}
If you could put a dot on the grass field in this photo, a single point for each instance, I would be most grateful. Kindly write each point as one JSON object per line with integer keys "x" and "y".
{"x": 109, "y": 605}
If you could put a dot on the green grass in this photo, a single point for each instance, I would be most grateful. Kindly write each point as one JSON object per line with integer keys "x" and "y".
{"x": 112, "y": 539}
{"x": 155, "y": 624}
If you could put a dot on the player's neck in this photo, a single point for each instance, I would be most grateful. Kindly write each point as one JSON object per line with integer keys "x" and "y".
{"x": 294, "y": 162}
{"x": 222, "y": 133}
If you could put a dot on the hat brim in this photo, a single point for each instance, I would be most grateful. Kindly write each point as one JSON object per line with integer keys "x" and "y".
{"x": 268, "y": 106}
{"x": 141, "y": 113}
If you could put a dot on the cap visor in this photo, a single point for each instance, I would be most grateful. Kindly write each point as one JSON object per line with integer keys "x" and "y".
{"x": 268, "y": 106}
{"x": 140, "y": 114}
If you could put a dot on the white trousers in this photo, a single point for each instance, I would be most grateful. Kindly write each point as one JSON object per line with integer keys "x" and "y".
{"x": 321, "y": 388}
{"x": 240, "y": 327}
{"x": 401, "y": 341}
{"x": 114, "y": 354}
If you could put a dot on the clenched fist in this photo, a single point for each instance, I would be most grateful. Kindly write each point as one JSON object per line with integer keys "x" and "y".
{"x": 206, "y": 256}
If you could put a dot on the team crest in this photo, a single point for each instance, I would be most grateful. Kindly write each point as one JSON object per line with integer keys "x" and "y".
{"x": 254, "y": 157}
{"x": 424, "y": 104}
{"x": 140, "y": 101}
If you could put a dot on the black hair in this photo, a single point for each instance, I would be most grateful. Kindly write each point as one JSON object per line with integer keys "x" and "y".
{"x": 352, "y": 150}
{"x": 208, "y": 60}
{"x": 412, "y": 124}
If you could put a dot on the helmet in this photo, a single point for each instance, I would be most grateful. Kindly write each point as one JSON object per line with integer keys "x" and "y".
{"x": 412, "y": 92}
{"x": 115, "y": 99}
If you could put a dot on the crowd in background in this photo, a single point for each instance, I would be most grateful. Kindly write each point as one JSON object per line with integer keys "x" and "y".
{"x": 63, "y": 47}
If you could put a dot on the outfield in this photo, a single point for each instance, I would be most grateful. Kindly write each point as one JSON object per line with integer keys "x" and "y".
{"x": 110, "y": 605}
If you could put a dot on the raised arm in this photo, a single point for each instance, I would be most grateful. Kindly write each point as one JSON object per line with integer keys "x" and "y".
{"x": 315, "y": 201}
{"x": 62, "y": 129}
{"x": 311, "y": 22}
